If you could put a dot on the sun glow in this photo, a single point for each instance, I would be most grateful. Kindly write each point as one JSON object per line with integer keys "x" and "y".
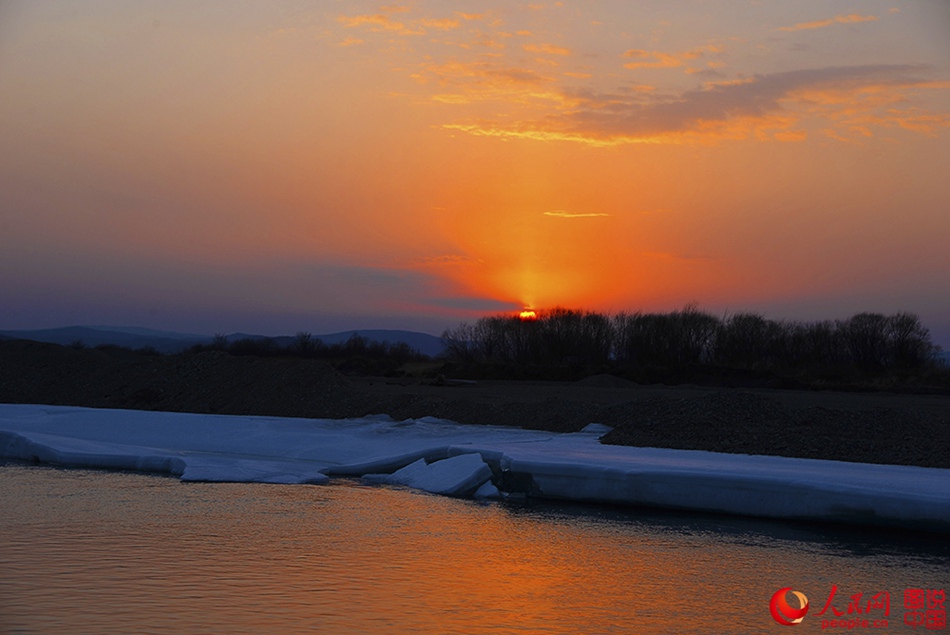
{"x": 528, "y": 315}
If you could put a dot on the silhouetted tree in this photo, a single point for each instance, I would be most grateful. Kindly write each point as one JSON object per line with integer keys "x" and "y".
{"x": 356, "y": 345}
{"x": 908, "y": 342}
{"x": 305, "y": 344}
{"x": 461, "y": 343}
{"x": 866, "y": 337}
{"x": 867, "y": 342}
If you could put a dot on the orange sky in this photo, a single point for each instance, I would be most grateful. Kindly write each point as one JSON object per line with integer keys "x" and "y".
{"x": 288, "y": 166}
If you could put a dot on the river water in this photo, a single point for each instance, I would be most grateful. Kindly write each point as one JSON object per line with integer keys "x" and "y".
{"x": 106, "y": 552}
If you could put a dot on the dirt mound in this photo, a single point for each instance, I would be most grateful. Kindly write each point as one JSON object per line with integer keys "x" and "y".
{"x": 605, "y": 381}
{"x": 748, "y": 423}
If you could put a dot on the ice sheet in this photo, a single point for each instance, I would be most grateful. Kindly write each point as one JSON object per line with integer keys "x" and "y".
{"x": 563, "y": 466}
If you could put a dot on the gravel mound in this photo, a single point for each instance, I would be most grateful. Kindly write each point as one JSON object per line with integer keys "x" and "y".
{"x": 605, "y": 381}
{"x": 747, "y": 423}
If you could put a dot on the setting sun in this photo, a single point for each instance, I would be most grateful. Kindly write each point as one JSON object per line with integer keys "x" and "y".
{"x": 528, "y": 315}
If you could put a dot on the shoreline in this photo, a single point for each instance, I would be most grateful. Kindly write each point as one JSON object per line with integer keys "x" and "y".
{"x": 476, "y": 462}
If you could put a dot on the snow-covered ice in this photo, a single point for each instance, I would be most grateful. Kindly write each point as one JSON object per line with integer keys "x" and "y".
{"x": 448, "y": 458}
{"x": 460, "y": 475}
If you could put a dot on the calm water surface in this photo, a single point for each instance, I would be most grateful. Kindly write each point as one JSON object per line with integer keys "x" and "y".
{"x": 101, "y": 552}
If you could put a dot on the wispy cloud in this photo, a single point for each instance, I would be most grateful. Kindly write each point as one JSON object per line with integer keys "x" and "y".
{"x": 384, "y": 22}
{"x": 443, "y": 24}
{"x": 534, "y": 133}
{"x": 651, "y": 59}
{"x": 549, "y": 49}
{"x": 444, "y": 260}
{"x": 855, "y": 100}
{"x": 658, "y": 59}
{"x": 560, "y": 213}
{"x": 465, "y": 303}
{"x": 821, "y": 24}
{"x": 485, "y": 79}
{"x": 376, "y": 22}
{"x": 532, "y": 100}
{"x": 369, "y": 275}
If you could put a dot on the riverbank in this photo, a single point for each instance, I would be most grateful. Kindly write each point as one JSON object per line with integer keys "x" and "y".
{"x": 868, "y": 427}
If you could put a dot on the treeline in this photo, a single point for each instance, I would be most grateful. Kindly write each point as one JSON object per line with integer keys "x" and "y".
{"x": 305, "y": 345}
{"x": 867, "y": 343}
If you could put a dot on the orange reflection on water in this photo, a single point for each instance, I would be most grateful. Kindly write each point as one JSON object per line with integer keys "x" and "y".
{"x": 119, "y": 553}
{"x": 112, "y": 553}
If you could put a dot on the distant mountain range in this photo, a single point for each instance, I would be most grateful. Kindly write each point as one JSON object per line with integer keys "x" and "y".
{"x": 171, "y": 342}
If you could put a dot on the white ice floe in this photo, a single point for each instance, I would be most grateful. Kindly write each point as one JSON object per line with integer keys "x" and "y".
{"x": 460, "y": 475}
{"x": 448, "y": 458}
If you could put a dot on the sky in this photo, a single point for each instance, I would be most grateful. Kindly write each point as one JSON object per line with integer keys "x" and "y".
{"x": 286, "y": 166}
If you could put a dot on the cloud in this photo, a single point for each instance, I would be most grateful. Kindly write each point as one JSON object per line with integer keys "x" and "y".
{"x": 550, "y": 49}
{"x": 658, "y": 59}
{"x": 444, "y": 260}
{"x": 855, "y": 99}
{"x": 560, "y": 213}
{"x": 482, "y": 305}
{"x": 820, "y": 24}
{"x": 366, "y": 277}
{"x": 482, "y": 80}
{"x": 383, "y": 21}
{"x": 376, "y": 22}
{"x": 655, "y": 59}
{"x": 489, "y": 129}
{"x": 790, "y": 136}
{"x": 443, "y": 24}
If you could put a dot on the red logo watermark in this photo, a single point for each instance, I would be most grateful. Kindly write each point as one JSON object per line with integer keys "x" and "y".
{"x": 782, "y": 611}
{"x": 923, "y": 608}
{"x": 926, "y": 607}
